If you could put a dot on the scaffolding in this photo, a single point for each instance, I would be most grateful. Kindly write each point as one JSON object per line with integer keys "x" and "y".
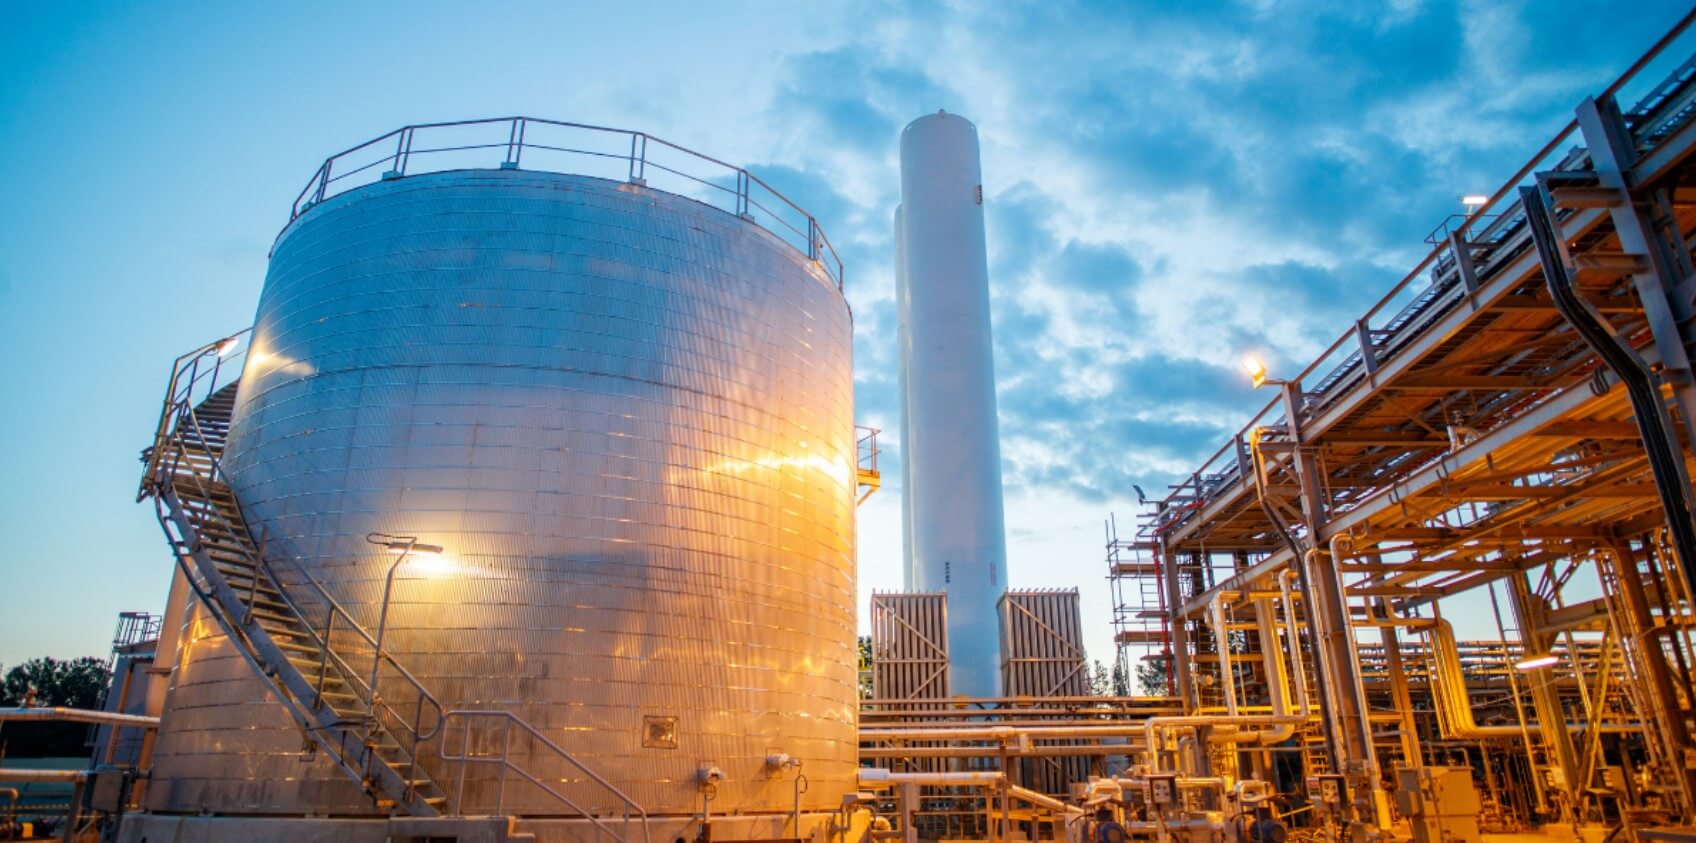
{"x": 1140, "y": 615}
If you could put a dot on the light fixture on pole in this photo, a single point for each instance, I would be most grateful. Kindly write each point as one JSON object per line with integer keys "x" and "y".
{"x": 404, "y": 548}
{"x": 1474, "y": 201}
{"x": 1257, "y": 372}
{"x": 1541, "y": 660}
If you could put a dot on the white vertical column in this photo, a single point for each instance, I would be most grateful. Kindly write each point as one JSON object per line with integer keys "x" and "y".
{"x": 951, "y": 438}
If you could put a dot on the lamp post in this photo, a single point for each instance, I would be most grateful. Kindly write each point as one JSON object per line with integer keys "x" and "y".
{"x": 403, "y": 547}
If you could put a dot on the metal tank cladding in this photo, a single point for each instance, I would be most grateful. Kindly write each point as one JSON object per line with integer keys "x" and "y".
{"x": 628, "y": 417}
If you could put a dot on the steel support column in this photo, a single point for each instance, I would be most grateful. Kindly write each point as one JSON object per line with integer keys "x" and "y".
{"x": 1398, "y": 685}
{"x": 1527, "y": 608}
{"x": 1345, "y": 696}
{"x": 1646, "y": 650}
{"x": 1178, "y": 628}
{"x": 1612, "y": 155}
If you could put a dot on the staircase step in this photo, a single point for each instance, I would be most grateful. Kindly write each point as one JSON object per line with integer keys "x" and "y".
{"x": 227, "y": 554}
{"x": 291, "y": 647}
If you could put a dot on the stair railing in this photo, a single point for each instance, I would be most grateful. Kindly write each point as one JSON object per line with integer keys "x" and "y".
{"x": 508, "y": 722}
{"x": 191, "y": 378}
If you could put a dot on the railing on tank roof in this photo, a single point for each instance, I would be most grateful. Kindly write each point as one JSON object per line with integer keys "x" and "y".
{"x": 1394, "y": 320}
{"x": 633, "y": 157}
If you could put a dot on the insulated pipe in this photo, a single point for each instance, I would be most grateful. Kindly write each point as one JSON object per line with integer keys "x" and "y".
{"x": 1398, "y": 685}
{"x": 1449, "y": 697}
{"x": 1001, "y": 733}
{"x": 1042, "y": 800}
{"x": 1342, "y": 660}
{"x": 78, "y": 715}
{"x": 1298, "y": 667}
{"x": 871, "y": 777}
{"x": 1275, "y": 687}
{"x": 1154, "y": 725}
{"x": 1222, "y": 645}
{"x": 1184, "y": 782}
{"x": 1297, "y": 556}
{"x": 19, "y": 775}
{"x": 1454, "y": 707}
{"x": 1527, "y": 607}
{"x": 1095, "y": 750}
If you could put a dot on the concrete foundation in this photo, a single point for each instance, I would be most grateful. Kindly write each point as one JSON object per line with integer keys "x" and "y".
{"x": 174, "y": 828}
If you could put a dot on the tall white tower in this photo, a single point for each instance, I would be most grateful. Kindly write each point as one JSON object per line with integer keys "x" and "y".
{"x": 955, "y": 539}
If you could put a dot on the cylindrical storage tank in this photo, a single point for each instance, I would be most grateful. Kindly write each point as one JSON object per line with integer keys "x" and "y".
{"x": 627, "y": 416}
{"x": 951, "y": 439}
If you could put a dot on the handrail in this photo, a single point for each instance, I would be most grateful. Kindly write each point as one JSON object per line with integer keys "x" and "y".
{"x": 1189, "y": 496}
{"x": 510, "y": 720}
{"x": 180, "y": 394}
{"x": 336, "y": 174}
{"x": 179, "y": 417}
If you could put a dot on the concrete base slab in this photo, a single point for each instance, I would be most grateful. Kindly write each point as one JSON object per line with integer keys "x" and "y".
{"x": 170, "y": 828}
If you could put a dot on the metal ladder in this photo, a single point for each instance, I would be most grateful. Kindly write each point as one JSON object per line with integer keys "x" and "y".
{"x": 375, "y": 742}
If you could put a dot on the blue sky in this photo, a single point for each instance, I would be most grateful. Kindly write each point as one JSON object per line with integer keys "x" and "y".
{"x": 1170, "y": 185}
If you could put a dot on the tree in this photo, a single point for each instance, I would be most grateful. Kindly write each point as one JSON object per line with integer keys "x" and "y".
{"x": 1121, "y": 682}
{"x": 1099, "y": 683}
{"x": 74, "y": 683}
{"x": 1151, "y": 675}
{"x": 77, "y": 683}
{"x": 865, "y": 667}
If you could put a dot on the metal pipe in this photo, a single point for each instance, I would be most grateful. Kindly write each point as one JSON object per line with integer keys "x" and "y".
{"x": 27, "y": 776}
{"x": 1291, "y": 405}
{"x": 871, "y": 777}
{"x": 1454, "y": 707}
{"x": 1545, "y": 700}
{"x": 1099, "y": 750}
{"x": 1042, "y": 800}
{"x": 1183, "y": 782}
{"x": 1342, "y": 661}
{"x": 1222, "y": 645}
{"x": 1298, "y": 667}
{"x": 1001, "y": 733}
{"x": 1398, "y": 685}
{"x": 1275, "y": 685}
{"x": 1154, "y": 725}
{"x": 78, "y": 715}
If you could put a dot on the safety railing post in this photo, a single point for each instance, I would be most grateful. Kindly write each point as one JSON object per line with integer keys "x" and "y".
{"x": 253, "y": 581}
{"x": 464, "y": 759}
{"x": 400, "y": 143}
{"x": 518, "y": 154}
{"x": 812, "y": 238}
{"x": 506, "y": 763}
{"x": 324, "y": 653}
{"x": 417, "y": 729}
{"x": 323, "y": 181}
